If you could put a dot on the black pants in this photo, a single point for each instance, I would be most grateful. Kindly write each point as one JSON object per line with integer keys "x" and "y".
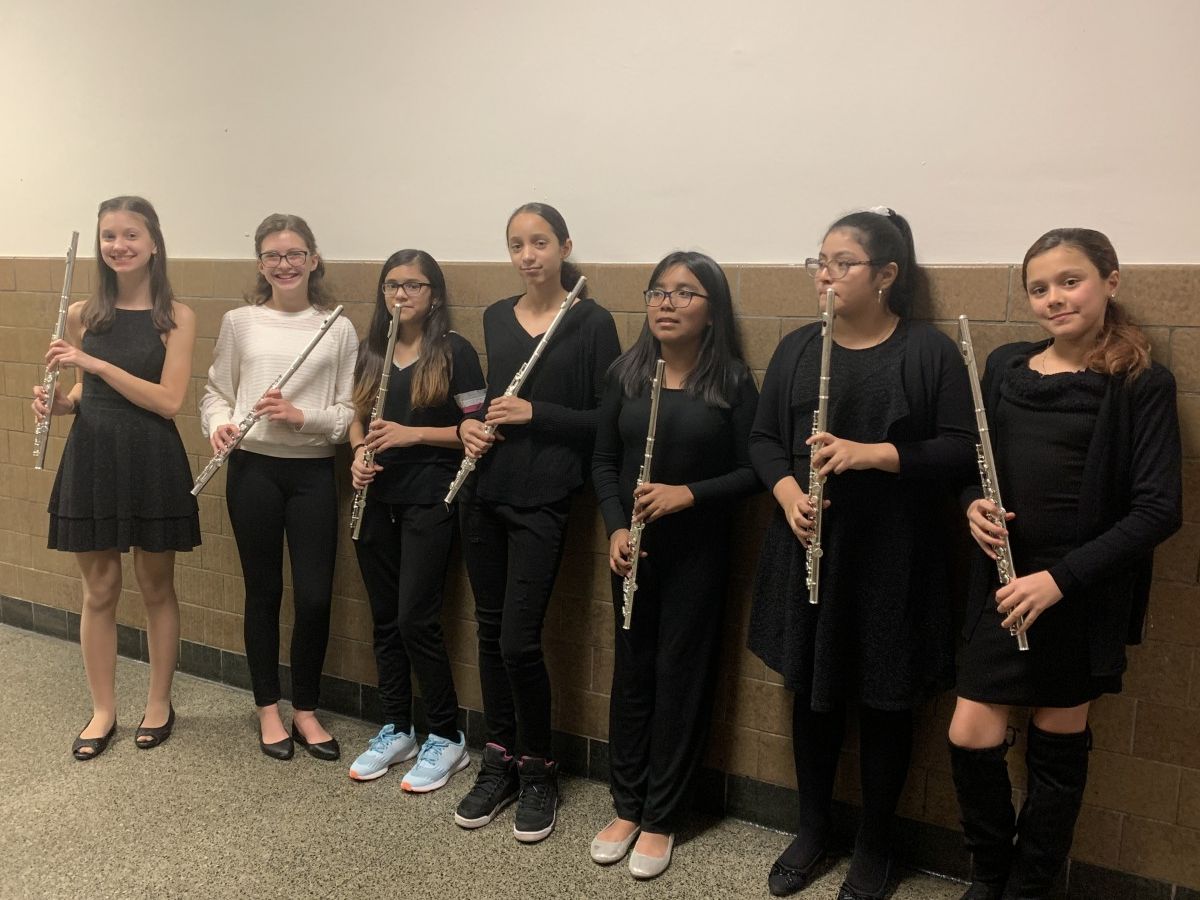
{"x": 512, "y": 555}
{"x": 402, "y": 552}
{"x": 664, "y": 674}
{"x": 270, "y": 497}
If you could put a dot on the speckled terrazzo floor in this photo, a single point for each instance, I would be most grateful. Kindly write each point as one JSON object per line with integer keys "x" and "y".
{"x": 206, "y": 815}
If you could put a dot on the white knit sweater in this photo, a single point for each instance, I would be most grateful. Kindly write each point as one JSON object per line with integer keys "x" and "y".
{"x": 255, "y": 345}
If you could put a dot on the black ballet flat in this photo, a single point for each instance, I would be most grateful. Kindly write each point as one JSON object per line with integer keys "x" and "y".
{"x": 785, "y": 880}
{"x": 847, "y": 892}
{"x": 156, "y": 735}
{"x": 96, "y": 745}
{"x": 280, "y": 750}
{"x": 327, "y": 751}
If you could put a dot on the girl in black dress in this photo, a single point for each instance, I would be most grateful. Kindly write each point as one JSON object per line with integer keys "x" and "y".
{"x": 1086, "y": 439}
{"x": 665, "y": 665}
{"x": 900, "y": 440}
{"x": 514, "y": 522}
{"x": 406, "y": 530}
{"x": 124, "y": 478}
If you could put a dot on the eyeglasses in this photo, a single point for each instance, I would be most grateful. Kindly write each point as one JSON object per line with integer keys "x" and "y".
{"x": 271, "y": 259}
{"x": 410, "y": 288}
{"x": 837, "y": 268}
{"x": 679, "y": 298}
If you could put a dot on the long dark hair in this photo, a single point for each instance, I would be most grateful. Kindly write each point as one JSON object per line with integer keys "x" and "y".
{"x": 431, "y": 371}
{"x": 720, "y": 363}
{"x": 99, "y": 310}
{"x": 569, "y": 273}
{"x": 887, "y": 238}
{"x": 1121, "y": 347}
{"x": 319, "y": 294}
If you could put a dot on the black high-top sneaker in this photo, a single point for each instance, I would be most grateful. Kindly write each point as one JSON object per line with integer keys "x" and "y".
{"x": 495, "y": 787}
{"x": 538, "y": 805}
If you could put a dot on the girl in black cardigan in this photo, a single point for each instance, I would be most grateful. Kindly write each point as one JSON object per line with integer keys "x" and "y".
{"x": 900, "y": 441}
{"x": 664, "y": 667}
{"x": 514, "y": 523}
{"x": 1087, "y": 448}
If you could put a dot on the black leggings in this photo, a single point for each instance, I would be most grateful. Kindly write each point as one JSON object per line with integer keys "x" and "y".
{"x": 512, "y": 555}
{"x": 402, "y": 552}
{"x": 270, "y": 497}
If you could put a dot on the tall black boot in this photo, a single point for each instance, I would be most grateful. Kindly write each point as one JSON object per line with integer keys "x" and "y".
{"x": 988, "y": 819}
{"x": 1058, "y": 765}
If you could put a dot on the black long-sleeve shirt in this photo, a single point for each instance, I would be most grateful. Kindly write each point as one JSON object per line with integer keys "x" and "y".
{"x": 703, "y": 447}
{"x": 545, "y": 460}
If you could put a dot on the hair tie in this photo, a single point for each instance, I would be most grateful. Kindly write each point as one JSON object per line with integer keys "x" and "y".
{"x": 882, "y": 211}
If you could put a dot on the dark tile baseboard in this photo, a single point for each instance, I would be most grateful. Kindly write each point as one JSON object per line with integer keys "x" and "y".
{"x": 929, "y": 848}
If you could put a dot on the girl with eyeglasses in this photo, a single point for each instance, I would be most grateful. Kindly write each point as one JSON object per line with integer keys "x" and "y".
{"x": 664, "y": 666}
{"x": 406, "y": 530}
{"x": 900, "y": 439}
{"x": 124, "y": 480}
{"x": 280, "y": 480}
{"x": 1086, "y": 439}
{"x": 514, "y": 521}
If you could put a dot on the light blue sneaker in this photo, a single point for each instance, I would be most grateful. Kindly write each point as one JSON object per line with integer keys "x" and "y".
{"x": 439, "y": 760}
{"x": 385, "y": 750}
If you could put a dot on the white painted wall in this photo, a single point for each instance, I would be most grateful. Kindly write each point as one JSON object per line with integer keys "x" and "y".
{"x": 741, "y": 128}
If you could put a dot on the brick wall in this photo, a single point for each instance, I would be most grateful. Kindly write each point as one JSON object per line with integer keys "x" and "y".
{"x": 1142, "y": 813}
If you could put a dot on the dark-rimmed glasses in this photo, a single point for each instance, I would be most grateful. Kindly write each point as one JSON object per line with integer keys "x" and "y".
{"x": 679, "y": 298}
{"x": 837, "y": 268}
{"x": 271, "y": 259}
{"x": 410, "y": 288}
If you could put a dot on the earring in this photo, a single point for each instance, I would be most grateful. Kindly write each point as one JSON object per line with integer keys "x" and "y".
{"x": 880, "y": 296}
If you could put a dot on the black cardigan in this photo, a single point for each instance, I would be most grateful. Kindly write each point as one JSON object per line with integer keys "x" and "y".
{"x": 1131, "y": 500}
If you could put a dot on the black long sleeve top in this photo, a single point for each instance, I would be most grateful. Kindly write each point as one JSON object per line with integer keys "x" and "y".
{"x": 703, "y": 447}
{"x": 545, "y": 460}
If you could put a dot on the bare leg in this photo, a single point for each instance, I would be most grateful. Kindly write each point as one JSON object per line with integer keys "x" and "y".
{"x": 617, "y": 830}
{"x": 1062, "y": 720}
{"x": 156, "y": 579}
{"x": 270, "y": 724}
{"x": 101, "y": 570}
{"x": 308, "y": 725}
{"x": 976, "y": 726}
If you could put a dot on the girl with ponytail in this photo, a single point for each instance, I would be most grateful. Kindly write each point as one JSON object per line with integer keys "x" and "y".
{"x": 900, "y": 441}
{"x": 1087, "y": 447}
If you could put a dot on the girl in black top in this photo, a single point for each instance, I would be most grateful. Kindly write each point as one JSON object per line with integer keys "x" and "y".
{"x": 664, "y": 666}
{"x": 1087, "y": 447}
{"x": 406, "y": 530}
{"x": 124, "y": 480}
{"x": 900, "y": 439}
{"x": 513, "y": 525}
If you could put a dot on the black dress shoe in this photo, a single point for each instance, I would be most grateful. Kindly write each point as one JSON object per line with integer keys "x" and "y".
{"x": 145, "y": 738}
{"x": 785, "y": 880}
{"x": 95, "y": 745}
{"x": 847, "y": 892}
{"x": 278, "y": 750}
{"x": 328, "y": 751}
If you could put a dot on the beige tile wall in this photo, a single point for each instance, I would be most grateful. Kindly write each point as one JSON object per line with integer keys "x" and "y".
{"x": 1143, "y": 801}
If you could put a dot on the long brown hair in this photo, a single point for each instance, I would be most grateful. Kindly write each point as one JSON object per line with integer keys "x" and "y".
{"x": 431, "y": 371}
{"x": 99, "y": 310}
{"x": 319, "y": 294}
{"x": 1121, "y": 347}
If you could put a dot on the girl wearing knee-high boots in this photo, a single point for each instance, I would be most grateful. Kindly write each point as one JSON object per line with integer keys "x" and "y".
{"x": 123, "y": 480}
{"x": 406, "y": 530}
{"x": 899, "y": 444}
{"x": 514, "y": 523}
{"x": 1087, "y": 448}
{"x": 665, "y": 665}
{"x": 280, "y": 481}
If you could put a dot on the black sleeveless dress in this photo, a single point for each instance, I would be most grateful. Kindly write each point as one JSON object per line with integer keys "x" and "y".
{"x": 124, "y": 479}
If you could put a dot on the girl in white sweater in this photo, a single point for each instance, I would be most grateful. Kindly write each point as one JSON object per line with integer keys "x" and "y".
{"x": 280, "y": 481}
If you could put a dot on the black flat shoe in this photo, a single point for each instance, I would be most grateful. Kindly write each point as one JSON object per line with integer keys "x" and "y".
{"x": 785, "y": 880}
{"x": 145, "y": 738}
{"x": 847, "y": 892}
{"x": 279, "y": 750}
{"x": 328, "y": 751}
{"x": 96, "y": 745}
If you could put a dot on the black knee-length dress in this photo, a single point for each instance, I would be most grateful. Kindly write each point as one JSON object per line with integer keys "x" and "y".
{"x": 124, "y": 479}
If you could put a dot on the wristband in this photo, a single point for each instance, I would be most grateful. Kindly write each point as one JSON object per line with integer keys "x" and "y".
{"x": 354, "y": 448}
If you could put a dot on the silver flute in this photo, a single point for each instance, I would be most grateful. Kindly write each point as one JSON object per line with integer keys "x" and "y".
{"x": 987, "y": 471}
{"x": 637, "y": 526}
{"x": 469, "y": 462}
{"x": 252, "y": 417}
{"x": 816, "y": 482}
{"x": 360, "y": 496}
{"x": 41, "y": 430}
